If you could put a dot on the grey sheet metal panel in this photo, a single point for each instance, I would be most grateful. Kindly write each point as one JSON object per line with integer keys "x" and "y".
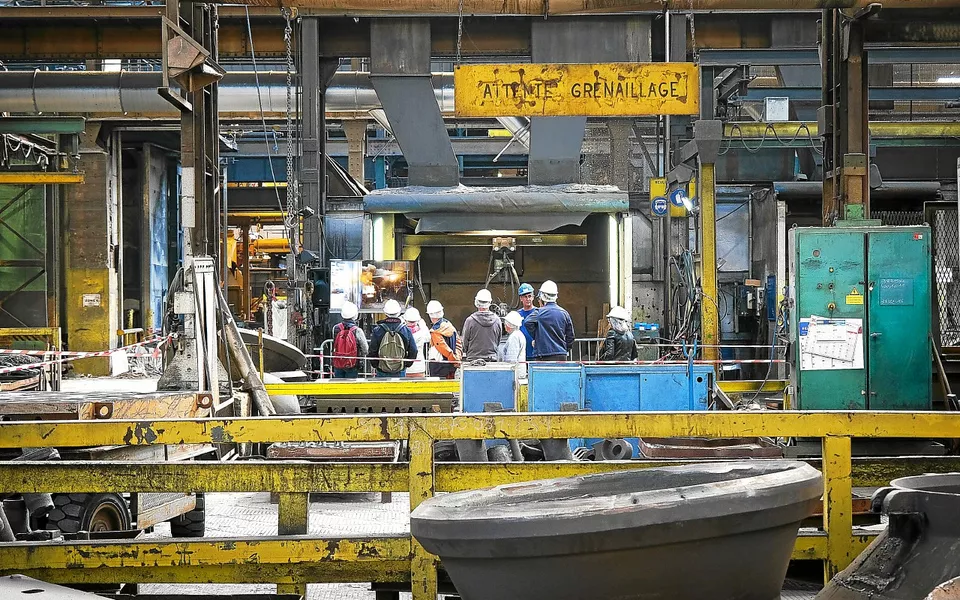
{"x": 572, "y": 198}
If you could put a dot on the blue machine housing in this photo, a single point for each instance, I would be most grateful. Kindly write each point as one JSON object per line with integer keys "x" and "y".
{"x": 618, "y": 388}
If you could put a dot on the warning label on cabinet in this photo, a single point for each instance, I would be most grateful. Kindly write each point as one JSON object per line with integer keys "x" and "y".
{"x": 830, "y": 344}
{"x": 855, "y": 297}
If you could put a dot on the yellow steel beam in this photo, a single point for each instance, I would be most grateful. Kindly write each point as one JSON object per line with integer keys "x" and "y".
{"x": 268, "y": 560}
{"x": 814, "y": 546}
{"x": 32, "y": 333}
{"x": 868, "y": 424}
{"x": 297, "y": 477}
{"x": 249, "y": 560}
{"x": 423, "y": 565}
{"x": 878, "y": 129}
{"x": 38, "y": 178}
{"x": 709, "y": 306}
{"x": 274, "y": 476}
{"x": 750, "y": 386}
{"x": 364, "y": 388}
{"x": 837, "y": 505}
{"x": 147, "y": 432}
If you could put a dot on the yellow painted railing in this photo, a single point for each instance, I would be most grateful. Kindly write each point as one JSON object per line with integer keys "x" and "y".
{"x": 291, "y": 562}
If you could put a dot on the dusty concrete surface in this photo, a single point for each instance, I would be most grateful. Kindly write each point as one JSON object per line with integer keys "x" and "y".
{"x": 253, "y": 515}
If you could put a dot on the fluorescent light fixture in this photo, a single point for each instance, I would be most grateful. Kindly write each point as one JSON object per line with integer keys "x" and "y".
{"x": 613, "y": 259}
{"x": 954, "y": 79}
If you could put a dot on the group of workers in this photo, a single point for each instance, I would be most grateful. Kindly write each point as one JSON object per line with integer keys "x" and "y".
{"x": 543, "y": 333}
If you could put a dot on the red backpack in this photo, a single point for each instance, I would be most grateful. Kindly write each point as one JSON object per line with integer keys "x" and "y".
{"x": 344, "y": 345}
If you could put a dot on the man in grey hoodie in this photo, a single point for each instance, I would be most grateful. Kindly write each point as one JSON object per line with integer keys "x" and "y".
{"x": 481, "y": 330}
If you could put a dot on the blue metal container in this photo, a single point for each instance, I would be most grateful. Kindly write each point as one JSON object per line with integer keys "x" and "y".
{"x": 618, "y": 388}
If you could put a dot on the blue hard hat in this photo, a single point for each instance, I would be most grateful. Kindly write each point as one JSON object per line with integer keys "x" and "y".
{"x": 524, "y": 289}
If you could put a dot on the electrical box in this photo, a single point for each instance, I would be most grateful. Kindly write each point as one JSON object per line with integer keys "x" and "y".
{"x": 860, "y": 317}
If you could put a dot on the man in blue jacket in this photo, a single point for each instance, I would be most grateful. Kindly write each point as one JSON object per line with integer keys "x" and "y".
{"x": 550, "y": 326}
{"x": 525, "y": 292}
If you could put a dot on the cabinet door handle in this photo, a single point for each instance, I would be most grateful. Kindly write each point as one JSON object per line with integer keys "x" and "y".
{"x": 875, "y": 335}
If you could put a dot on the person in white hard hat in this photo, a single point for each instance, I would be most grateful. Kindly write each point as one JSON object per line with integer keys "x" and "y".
{"x": 619, "y": 344}
{"x": 421, "y": 335}
{"x": 392, "y": 347}
{"x": 446, "y": 347}
{"x": 481, "y": 330}
{"x": 349, "y": 343}
{"x": 550, "y": 326}
{"x": 515, "y": 350}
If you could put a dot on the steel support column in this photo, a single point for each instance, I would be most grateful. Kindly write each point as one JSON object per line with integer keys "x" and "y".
{"x": 90, "y": 243}
{"x": 708, "y": 134}
{"x": 200, "y": 182}
{"x": 843, "y": 118}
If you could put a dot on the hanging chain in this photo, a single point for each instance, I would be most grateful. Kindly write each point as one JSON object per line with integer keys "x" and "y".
{"x": 292, "y": 187}
{"x": 693, "y": 35}
{"x": 459, "y": 29}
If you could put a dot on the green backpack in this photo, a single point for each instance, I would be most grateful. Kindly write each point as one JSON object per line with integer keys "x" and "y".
{"x": 392, "y": 351}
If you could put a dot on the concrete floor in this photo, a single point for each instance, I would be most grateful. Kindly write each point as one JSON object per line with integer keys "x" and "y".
{"x": 252, "y": 514}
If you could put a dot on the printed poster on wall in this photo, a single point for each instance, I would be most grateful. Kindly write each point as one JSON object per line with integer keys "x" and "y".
{"x": 830, "y": 344}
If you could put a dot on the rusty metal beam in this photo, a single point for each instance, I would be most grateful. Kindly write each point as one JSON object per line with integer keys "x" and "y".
{"x": 100, "y": 32}
{"x": 542, "y": 8}
{"x": 38, "y": 178}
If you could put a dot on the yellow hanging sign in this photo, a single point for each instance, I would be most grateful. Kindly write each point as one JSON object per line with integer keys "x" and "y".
{"x": 855, "y": 297}
{"x": 600, "y": 90}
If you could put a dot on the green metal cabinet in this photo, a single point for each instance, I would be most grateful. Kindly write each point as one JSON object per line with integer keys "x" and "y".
{"x": 874, "y": 278}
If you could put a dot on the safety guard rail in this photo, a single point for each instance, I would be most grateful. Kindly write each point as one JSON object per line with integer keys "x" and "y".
{"x": 294, "y": 559}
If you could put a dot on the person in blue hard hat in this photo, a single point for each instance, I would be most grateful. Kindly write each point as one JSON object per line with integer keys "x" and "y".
{"x": 550, "y": 326}
{"x": 525, "y": 291}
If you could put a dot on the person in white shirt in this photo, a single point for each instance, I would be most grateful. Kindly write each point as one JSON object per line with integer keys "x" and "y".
{"x": 421, "y": 335}
{"x": 515, "y": 350}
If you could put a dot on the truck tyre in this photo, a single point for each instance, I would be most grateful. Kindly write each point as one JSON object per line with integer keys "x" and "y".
{"x": 89, "y": 512}
{"x": 190, "y": 524}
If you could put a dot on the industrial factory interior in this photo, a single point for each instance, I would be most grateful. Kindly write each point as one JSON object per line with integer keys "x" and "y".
{"x": 479, "y": 299}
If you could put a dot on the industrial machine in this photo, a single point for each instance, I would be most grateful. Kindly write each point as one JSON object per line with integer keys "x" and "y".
{"x": 860, "y": 311}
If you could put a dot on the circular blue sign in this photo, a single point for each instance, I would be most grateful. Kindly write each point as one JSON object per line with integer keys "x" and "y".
{"x": 659, "y": 206}
{"x": 677, "y": 196}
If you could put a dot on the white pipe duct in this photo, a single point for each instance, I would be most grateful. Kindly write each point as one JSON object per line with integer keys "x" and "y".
{"x": 135, "y": 93}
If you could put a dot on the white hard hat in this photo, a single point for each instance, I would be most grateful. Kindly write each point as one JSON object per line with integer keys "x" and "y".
{"x": 514, "y": 319}
{"x": 618, "y": 312}
{"x": 349, "y": 310}
{"x": 412, "y": 315}
{"x": 483, "y": 297}
{"x": 549, "y": 288}
{"x": 434, "y": 308}
{"x": 391, "y": 308}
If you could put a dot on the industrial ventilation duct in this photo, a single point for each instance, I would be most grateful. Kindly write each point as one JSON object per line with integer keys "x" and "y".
{"x": 129, "y": 92}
